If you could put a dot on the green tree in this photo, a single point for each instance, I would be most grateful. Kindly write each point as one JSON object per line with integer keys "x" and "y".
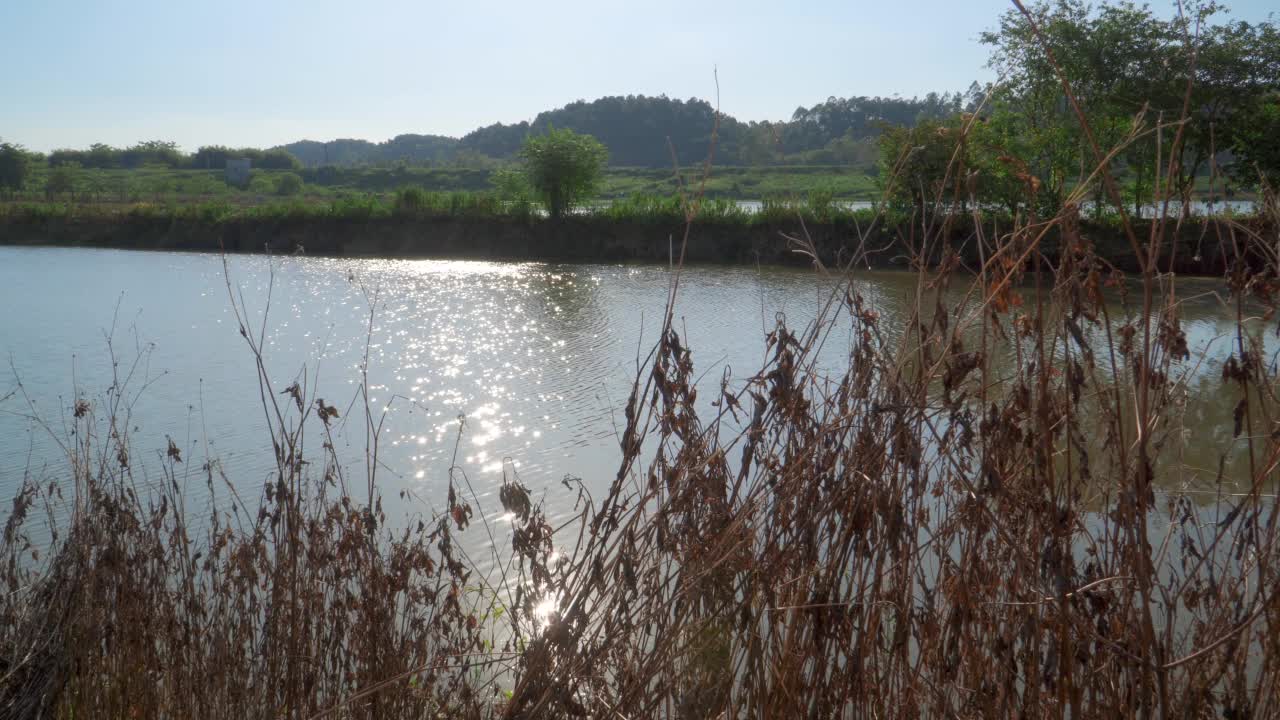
{"x": 211, "y": 157}
{"x": 562, "y": 168}
{"x": 1130, "y": 70}
{"x": 914, "y": 163}
{"x": 1002, "y": 178}
{"x": 61, "y": 180}
{"x": 277, "y": 159}
{"x": 152, "y": 152}
{"x": 512, "y": 188}
{"x": 1107, "y": 56}
{"x": 288, "y": 184}
{"x": 15, "y": 167}
{"x": 759, "y": 144}
{"x": 102, "y": 156}
{"x": 1257, "y": 144}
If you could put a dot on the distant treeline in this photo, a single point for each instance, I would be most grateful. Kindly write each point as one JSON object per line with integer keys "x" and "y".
{"x": 166, "y": 154}
{"x": 636, "y": 129}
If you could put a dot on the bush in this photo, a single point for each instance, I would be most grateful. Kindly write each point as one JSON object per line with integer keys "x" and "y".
{"x": 411, "y": 200}
{"x": 61, "y": 180}
{"x": 15, "y": 166}
{"x": 288, "y": 184}
{"x": 562, "y": 168}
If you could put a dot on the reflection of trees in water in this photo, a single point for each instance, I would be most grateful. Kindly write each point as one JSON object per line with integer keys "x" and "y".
{"x": 565, "y": 296}
{"x": 1195, "y": 444}
{"x": 1205, "y": 444}
{"x": 573, "y": 343}
{"x": 565, "y": 303}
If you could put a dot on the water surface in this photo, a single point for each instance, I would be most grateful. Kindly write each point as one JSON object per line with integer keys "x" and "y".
{"x": 486, "y": 364}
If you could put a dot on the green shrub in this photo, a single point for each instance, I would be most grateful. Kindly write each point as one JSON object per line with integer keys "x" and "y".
{"x": 411, "y": 201}
{"x": 288, "y": 184}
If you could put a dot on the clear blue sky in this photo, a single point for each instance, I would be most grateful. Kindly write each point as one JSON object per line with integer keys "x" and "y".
{"x": 265, "y": 72}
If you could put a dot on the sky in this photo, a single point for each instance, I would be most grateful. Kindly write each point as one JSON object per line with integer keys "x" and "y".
{"x": 267, "y": 72}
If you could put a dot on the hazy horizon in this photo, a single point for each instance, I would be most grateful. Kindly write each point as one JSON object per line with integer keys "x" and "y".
{"x": 266, "y": 74}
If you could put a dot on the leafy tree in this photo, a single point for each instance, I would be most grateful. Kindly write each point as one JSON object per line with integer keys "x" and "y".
{"x": 1002, "y": 178}
{"x": 512, "y": 188}
{"x": 857, "y": 118}
{"x": 1237, "y": 67}
{"x": 277, "y": 159}
{"x": 101, "y": 156}
{"x": 562, "y": 168}
{"x": 215, "y": 157}
{"x": 1130, "y": 70}
{"x": 1257, "y": 143}
{"x": 511, "y": 184}
{"x": 420, "y": 150}
{"x": 760, "y": 144}
{"x": 98, "y": 156}
{"x": 212, "y": 157}
{"x": 61, "y": 180}
{"x": 151, "y": 152}
{"x": 848, "y": 150}
{"x": 1102, "y": 54}
{"x": 288, "y": 184}
{"x": 914, "y": 162}
{"x": 15, "y": 167}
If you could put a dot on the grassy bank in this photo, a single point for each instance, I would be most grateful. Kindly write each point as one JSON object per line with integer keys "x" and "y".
{"x": 414, "y": 223}
{"x": 159, "y": 185}
{"x": 166, "y": 185}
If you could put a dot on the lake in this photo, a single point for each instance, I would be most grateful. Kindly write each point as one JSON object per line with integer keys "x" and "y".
{"x": 537, "y": 358}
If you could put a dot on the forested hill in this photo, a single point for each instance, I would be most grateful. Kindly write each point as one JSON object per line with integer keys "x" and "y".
{"x": 636, "y": 129}
{"x": 413, "y": 149}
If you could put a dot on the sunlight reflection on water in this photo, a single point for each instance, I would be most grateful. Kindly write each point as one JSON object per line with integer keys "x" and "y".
{"x": 475, "y": 363}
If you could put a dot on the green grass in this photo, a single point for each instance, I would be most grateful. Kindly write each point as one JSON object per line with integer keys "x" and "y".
{"x": 161, "y": 185}
{"x": 746, "y": 183}
{"x": 413, "y": 202}
{"x": 356, "y": 194}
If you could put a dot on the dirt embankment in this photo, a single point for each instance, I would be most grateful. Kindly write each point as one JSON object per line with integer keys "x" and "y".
{"x": 1196, "y": 250}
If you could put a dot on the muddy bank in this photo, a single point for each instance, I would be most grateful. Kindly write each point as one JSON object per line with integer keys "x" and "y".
{"x": 1196, "y": 248}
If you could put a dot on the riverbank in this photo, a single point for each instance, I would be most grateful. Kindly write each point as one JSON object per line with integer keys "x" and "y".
{"x": 159, "y": 184}
{"x": 470, "y": 229}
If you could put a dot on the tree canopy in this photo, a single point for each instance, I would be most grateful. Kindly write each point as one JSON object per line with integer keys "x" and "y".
{"x": 1133, "y": 75}
{"x": 408, "y": 149}
{"x": 166, "y": 154}
{"x": 1256, "y": 143}
{"x": 15, "y": 167}
{"x": 1131, "y": 72}
{"x": 562, "y": 167}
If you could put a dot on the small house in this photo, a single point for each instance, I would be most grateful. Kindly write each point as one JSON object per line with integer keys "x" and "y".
{"x": 237, "y": 172}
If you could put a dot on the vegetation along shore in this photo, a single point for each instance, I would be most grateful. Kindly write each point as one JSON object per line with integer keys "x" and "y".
{"x": 414, "y": 223}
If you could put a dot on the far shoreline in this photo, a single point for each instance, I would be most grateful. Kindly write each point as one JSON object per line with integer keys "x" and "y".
{"x": 1191, "y": 248}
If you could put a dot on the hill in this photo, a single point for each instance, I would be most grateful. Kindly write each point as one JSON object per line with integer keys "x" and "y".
{"x": 644, "y": 131}
{"x": 410, "y": 149}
